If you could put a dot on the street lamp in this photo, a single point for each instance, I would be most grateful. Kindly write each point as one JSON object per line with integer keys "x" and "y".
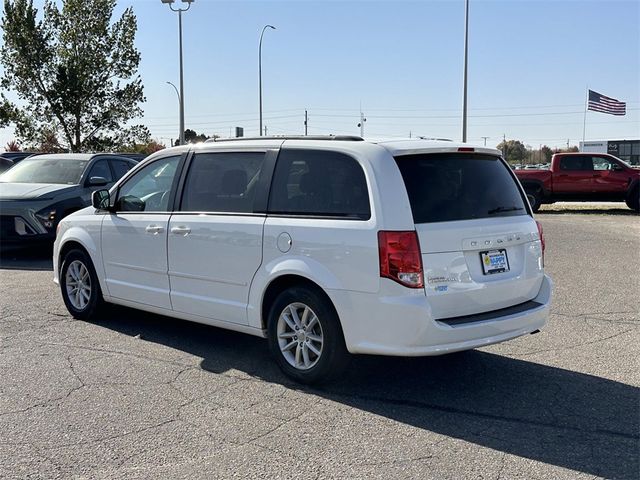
{"x": 464, "y": 81}
{"x": 179, "y": 103}
{"x": 181, "y": 94}
{"x": 260, "y": 70}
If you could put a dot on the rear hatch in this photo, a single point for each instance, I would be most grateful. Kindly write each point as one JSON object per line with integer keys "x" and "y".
{"x": 480, "y": 246}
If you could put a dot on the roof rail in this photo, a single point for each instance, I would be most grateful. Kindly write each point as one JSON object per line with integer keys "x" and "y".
{"x": 346, "y": 138}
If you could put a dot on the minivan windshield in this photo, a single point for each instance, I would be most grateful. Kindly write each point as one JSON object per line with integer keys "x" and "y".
{"x": 66, "y": 171}
{"x": 445, "y": 187}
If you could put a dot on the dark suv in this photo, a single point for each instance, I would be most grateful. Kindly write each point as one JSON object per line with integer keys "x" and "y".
{"x": 37, "y": 192}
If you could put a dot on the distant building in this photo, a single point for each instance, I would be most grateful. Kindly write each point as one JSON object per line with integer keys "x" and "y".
{"x": 627, "y": 150}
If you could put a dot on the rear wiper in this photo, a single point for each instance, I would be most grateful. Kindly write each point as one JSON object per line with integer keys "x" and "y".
{"x": 504, "y": 209}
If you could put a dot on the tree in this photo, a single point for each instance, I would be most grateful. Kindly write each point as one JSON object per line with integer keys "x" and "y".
{"x": 190, "y": 136}
{"x": 514, "y": 150}
{"x": 148, "y": 148}
{"x": 546, "y": 153}
{"x": 74, "y": 71}
{"x": 12, "y": 146}
{"x": 47, "y": 142}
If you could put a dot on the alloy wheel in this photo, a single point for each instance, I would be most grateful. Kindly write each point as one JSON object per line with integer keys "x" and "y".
{"x": 78, "y": 285}
{"x": 300, "y": 336}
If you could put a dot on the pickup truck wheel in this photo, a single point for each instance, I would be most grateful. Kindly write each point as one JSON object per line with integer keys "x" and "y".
{"x": 305, "y": 336}
{"x": 633, "y": 200}
{"x": 535, "y": 199}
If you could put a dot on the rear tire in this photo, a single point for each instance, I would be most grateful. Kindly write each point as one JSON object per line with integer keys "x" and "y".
{"x": 305, "y": 336}
{"x": 80, "y": 286}
{"x": 535, "y": 199}
{"x": 633, "y": 199}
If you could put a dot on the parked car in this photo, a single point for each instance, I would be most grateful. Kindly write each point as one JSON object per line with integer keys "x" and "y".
{"x": 5, "y": 164}
{"x": 324, "y": 245}
{"x": 16, "y": 157}
{"x": 582, "y": 177}
{"x": 39, "y": 191}
{"x": 137, "y": 157}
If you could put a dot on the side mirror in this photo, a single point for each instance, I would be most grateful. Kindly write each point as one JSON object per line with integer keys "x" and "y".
{"x": 129, "y": 203}
{"x": 97, "y": 182}
{"x": 101, "y": 200}
{"x": 616, "y": 167}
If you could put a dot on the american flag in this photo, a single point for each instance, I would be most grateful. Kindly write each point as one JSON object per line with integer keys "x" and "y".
{"x": 604, "y": 104}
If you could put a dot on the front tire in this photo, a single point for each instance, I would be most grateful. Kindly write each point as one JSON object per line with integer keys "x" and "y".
{"x": 79, "y": 285}
{"x": 305, "y": 336}
{"x": 633, "y": 199}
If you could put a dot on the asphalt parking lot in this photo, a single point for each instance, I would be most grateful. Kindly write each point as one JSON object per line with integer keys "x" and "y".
{"x": 142, "y": 396}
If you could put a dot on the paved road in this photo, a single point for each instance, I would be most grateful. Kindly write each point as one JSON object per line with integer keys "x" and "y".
{"x": 144, "y": 396}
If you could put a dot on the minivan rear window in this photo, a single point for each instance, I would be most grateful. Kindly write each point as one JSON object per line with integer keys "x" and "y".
{"x": 445, "y": 187}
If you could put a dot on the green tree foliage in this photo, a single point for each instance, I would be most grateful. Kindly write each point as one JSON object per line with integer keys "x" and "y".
{"x": 148, "y": 148}
{"x": 514, "y": 150}
{"x": 546, "y": 154}
{"x": 190, "y": 136}
{"x": 75, "y": 72}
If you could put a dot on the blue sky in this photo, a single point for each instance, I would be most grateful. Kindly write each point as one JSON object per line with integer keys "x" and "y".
{"x": 529, "y": 66}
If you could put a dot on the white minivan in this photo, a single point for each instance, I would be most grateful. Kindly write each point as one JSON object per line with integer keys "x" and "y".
{"x": 326, "y": 246}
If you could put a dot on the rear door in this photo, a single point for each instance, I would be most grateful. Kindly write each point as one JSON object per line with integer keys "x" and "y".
{"x": 575, "y": 175}
{"x": 215, "y": 237}
{"x": 479, "y": 244}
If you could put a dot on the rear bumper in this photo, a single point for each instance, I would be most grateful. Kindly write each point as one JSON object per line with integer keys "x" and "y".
{"x": 403, "y": 326}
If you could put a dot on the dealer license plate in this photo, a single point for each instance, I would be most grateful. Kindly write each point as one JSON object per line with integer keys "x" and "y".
{"x": 494, "y": 261}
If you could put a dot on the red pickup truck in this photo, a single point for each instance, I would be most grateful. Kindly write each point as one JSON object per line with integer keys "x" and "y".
{"x": 582, "y": 177}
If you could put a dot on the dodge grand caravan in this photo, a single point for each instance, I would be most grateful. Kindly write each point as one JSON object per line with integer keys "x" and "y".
{"x": 326, "y": 246}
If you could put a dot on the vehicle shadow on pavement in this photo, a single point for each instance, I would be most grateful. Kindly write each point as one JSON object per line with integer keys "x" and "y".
{"x": 552, "y": 415}
{"x": 34, "y": 259}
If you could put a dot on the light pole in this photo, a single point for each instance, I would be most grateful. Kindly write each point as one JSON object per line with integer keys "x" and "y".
{"x": 179, "y": 102}
{"x": 464, "y": 81}
{"x": 181, "y": 94}
{"x": 260, "y": 70}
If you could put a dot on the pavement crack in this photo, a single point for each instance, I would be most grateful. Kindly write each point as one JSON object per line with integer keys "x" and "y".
{"x": 503, "y": 462}
{"x": 52, "y": 401}
{"x": 117, "y": 352}
{"x": 489, "y": 416}
{"x": 572, "y": 347}
{"x": 283, "y": 423}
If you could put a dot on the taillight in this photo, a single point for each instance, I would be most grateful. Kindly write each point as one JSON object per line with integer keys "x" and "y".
{"x": 541, "y": 233}
{"x": 400, "y": 258}
{"x": 466, "y": 149}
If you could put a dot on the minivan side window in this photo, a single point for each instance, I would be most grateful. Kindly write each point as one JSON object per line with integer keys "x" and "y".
{"x": 149, "y": 189}
{"x": 222, "y": 182}
{"x": 319, "y": 183}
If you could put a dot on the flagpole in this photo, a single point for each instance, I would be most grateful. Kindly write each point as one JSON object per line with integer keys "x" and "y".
{"x": 584, "y": 122}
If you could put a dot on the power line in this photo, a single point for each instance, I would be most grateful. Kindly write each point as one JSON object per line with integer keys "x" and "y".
{"x": 540, "y": 114}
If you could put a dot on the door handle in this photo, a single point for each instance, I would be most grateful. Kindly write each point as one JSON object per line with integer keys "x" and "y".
{"x": 596, "y": 174}
{"x": 155, "y": 229}
{"x": 181, "y": 230}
